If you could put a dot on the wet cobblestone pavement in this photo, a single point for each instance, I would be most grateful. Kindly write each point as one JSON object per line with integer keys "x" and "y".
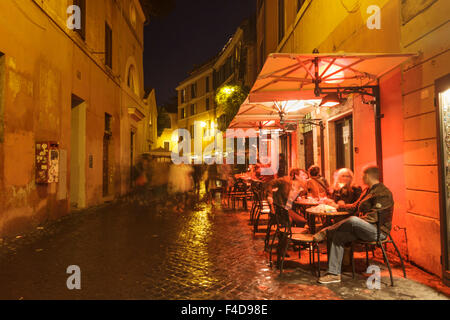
{"x": 136, "y": 250}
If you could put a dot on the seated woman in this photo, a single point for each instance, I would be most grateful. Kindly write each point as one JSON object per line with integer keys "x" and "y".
{"x": 344, "y": 191}
{"x": 317, "y": 186}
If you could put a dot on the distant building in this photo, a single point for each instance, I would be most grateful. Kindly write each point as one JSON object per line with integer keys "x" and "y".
{"x": 165, "y": 140}
{"x": 77, "y": 91}
{"x": 235, "y": 63}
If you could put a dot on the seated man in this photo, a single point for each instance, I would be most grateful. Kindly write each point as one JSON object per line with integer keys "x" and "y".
{"x": 317, "y": 186}
{"x": 377, "y": 197}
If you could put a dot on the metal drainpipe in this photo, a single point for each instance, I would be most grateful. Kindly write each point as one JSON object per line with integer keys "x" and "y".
{"x": 378, "y": 138}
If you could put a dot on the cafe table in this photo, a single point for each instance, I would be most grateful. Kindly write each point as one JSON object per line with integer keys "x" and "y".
{"x": 304, "y": 203}
{"x": 314, "y": 212}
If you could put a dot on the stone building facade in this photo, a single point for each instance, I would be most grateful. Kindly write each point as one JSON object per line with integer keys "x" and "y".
{"x": 80, "y": 90}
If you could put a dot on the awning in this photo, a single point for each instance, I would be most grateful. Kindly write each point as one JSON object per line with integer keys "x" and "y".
{"x": 293, "y": 76}
{"x": 266, "y": 115}
{"x": 287, "y": 85}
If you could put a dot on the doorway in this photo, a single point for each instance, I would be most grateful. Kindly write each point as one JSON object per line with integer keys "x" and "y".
{"x": 443, "y": 118}
{"x": 78, "y": 153}
{"x": 285, "y": 150}
{"x": 344, "y": 143}
{"x": 132, "y": 144}
{"x": 309, "y": 149}
{"x": 107, "y": 138}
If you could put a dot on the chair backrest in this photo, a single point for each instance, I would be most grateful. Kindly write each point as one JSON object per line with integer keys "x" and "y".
{"x": 240, "y": 186}
{"x": 282, "y": 219}
{"x": 384, "y": 215}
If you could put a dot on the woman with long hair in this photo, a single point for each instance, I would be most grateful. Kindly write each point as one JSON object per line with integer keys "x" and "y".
{"x": 344, "y": 188}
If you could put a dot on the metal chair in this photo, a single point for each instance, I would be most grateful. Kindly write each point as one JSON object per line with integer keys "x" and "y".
{"x": 239, "y": 193}
{"x": 382, "y": 216}
{"x": 287, "y": 234}
{"x": 256, "y": 189}
{"x": 261, "y": 207}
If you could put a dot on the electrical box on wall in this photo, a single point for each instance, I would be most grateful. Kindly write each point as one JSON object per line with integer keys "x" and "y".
{"x": 47, "y": 162}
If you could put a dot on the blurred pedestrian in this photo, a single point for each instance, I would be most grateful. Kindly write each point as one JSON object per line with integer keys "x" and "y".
{"x": 180, "y": 184}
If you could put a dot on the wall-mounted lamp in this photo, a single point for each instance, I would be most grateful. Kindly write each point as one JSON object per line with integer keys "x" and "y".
{"x": 331, "y": 100}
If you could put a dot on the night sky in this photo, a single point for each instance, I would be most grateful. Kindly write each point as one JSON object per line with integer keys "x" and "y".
{"x": 192, "y": 34}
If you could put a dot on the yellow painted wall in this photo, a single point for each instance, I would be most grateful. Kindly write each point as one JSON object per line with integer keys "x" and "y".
{"x": 45, "y": 63}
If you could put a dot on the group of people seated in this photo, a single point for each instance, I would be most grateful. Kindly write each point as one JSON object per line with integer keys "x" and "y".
{"x": 363, "y": 207}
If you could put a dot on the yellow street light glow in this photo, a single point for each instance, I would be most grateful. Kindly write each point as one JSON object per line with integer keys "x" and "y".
{"x": 228, "y": 90}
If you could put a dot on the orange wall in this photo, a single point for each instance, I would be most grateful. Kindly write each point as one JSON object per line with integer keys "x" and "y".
{"x": 392, "y": 139}
{"x": 363, "y": 137}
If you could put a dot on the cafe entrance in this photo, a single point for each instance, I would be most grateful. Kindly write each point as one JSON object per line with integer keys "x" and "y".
{"x": 443, "y": 115}
{"x": 344, "y": 143}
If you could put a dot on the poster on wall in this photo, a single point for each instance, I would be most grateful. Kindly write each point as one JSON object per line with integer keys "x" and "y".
{"x": 47, "y": 162}
{"x": 346, "y": 134}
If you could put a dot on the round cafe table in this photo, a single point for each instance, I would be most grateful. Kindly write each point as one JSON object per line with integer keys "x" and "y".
{"x": 302, "y": 204}
{"x": 312, "y": 213}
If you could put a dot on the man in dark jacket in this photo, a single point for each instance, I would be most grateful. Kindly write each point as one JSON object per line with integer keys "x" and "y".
{"x": 376, "y": 201}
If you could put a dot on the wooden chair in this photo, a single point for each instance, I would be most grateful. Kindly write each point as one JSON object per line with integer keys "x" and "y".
{"x": 379, "y": 243}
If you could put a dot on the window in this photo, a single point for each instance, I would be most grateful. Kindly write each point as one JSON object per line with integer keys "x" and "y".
{"x": 166, "y": 145}
{"x": 262, "y": 55}
{"x": 280, "y": 20}
{"x": 194, "y": 91}
{"x": 300, "y": 4}
{"x": 193, "y": 109}
{"x": 208, "y": 128}
{"x": 182, "y": 113}
{"x": 108, "y": 45}
{"x": 191, "y": 130}
{"x": 183, "y": 95}
{"x": 108, "y": 119}
{"x": 207, "y": 84}
{"x": 133, "y": 15}
{"x": 82, "y": 5}
{"x": 131, "y": 79}
{"x": 207, "y": 104}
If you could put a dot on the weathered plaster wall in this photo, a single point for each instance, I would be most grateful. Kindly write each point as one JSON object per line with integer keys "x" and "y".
{"x": 44, "y": 64}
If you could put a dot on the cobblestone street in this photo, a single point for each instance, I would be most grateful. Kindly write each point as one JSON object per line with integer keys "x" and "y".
{"x": 145, "y": 250}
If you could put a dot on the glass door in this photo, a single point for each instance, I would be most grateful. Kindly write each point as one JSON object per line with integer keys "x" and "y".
{"x": 344, "y": 143}
{"x": 443, "y": 97}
